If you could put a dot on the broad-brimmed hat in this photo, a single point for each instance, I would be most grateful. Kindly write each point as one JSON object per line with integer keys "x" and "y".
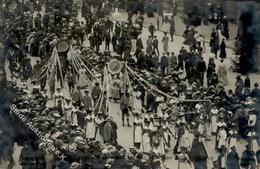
{"x": 74, "y": 165}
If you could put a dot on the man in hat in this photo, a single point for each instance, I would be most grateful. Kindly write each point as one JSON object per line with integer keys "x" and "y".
{"x": 155, "y": 45}
{"x": 95, "y": 93}
{"x": 164, "y": 64}
{"x": 77, "y": 96}
{"x": 149, "y": 45}
{"x": 233, "y": 159}
{"x": 86, "y": 100}
{"x": 71, "y": 79}
{"x": 124, "y": 106}
{"x": 248, "y": 159}
{"x": 172, "y": 27}
{"x": 239, "y": 85}
{"x": 152, "y": 29}
{"x": 255, "y": 93}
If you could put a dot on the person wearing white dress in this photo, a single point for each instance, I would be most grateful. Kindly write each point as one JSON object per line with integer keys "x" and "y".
{"x": 146, "y": 140}
{"x": 90, "y": 126}
{"x": 137, "y": 132}
{"x": 68, "y": 110}
{"x": 214, "y": 116}
{"x": 136, "y": 101}
{"x": 74, "y": 115}
{"x": 252, "y": 119}
{"x": 221, "y": 137}
{"x": 83, "y": 81}
{"x": 184, "y": 161}
{"x": 252, "y": 141}
{"x": 222, "y": 73}
{"x": 166, "y": 135}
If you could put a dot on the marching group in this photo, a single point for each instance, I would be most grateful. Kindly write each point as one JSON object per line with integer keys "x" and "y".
{"x": 171, "y": 104}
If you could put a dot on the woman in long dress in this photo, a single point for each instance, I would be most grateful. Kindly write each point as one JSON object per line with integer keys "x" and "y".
{"x": 252, "y": 141}
{"x": 82, "y": 81}
{"x": 222, "y": 73}
{"x": 214, "y": 116}
{"x": 90, "y": 126}
{"x": 221, "y": 137}
{"x": 74, "y": 115}
{"x": 137, "y": 131}
{"x": 166, "y": 135}
{"x": 115, "y": 89}
{"x": 232, "y": 139}
{"x": 146, "y": 142}
{"x": 184, "y": 161}
{"x": 165, "y": 41}
{"x": 68, "y": 110}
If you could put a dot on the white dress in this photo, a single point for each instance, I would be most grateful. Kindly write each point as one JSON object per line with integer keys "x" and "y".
{"x": 214, "y": 127}
{"x": 137, "y": 104}
{"x": 222, "y": 74}
{"x": 68, "y": 112}
{"x": 90, "y": 127}
{"x": 222, "y": 136}
{"x": 137, "y": 131}
{"x": 184, "y": 141}
{"x": 252, "y": 141}
{"x": 146, "y": 144}
{"x": 232, "y": 138}
{"x": 82, "y": 77}
{"x": 183, "y": 161}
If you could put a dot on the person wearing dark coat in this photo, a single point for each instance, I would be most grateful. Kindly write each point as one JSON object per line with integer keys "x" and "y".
{"x": 211, "y": 70}
{"x": 247, "y": 82}
{"x": 223, "y": 53}
{"x": 242, "y": 125}
{"x": 239, "y": 85}
{"x": 95, "y": 93}
{"x": 86, "y": 100}
{"x": 214, "y": 40}
{"x": 172, "y": 27}
{"x": 152, "y": 30}
{"x": 109, "y": 131}
{"x": 114, "y": 42}
{"x": 201, "y": 68}
{"x": 156, "y": 45}
{"x": 233, "y": 159}
{"x": 247, "y": 159}
{"x": 77, "y": 96}
{"x": 256, "y": 91}
{"x": 164, "y": 64}
{"x": 40, "y": 161}
{"x": 27, "y": 158}
{"x": 225, "y": 27}
{"x": 198, "y": 153}
{"x": 107, "y": 41}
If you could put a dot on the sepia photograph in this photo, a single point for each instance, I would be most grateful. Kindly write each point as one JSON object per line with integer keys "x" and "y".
{"x": 129, "y": 84}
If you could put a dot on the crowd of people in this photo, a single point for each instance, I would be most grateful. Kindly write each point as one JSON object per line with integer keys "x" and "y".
{"x": 178, "y": 102}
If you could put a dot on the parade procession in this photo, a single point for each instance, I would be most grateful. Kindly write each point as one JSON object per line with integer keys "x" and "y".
{"x": 129, "y": 84}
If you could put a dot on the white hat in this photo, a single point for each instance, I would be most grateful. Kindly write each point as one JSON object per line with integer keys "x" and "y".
{"x": 74, "y": 165}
